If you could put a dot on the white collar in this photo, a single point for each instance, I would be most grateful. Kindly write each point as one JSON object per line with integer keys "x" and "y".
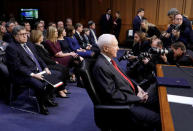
{"x": 106, "y": 57}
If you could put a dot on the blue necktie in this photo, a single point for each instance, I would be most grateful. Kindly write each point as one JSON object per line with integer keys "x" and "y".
{"x": 32, "y": 57}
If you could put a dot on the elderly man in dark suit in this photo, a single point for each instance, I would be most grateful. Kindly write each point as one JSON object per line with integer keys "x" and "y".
{"x": 137, "y": 20}
{"x": 114, "y": 87}
{"x": 24, "y": 65}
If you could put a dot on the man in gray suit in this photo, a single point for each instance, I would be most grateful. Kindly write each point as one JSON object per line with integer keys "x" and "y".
{"x": 115, "y": 88}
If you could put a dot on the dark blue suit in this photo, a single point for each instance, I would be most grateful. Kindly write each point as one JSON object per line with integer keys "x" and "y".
{"x": 113, "y": 88}
{"x": 21, "y": 65}
{"x": 8, "y": 37}
{"x": 91, "y": 37}
{"x": 136, "y": 24}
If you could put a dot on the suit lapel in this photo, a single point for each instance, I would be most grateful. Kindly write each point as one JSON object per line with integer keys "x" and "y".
{"x": 115, "y": 71}
{"x": 24, "y": 52}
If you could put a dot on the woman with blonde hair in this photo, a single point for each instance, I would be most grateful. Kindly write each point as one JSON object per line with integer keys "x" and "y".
{"x": 149, "y": 28}
{"x": 36, "y": 38}
{"x": 53, "y": 46}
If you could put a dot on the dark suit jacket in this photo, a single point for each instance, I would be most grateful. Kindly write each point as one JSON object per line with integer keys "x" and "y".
{"x": 20, "y": 63}
{"x": 91, "y": 37}
{"x": 44, "y": 54}
{"x": 136, "y": 24}
{"x": 8, "y": 37}
{"x": 117, "y": 28}
{"x": 80, "y": 41}
{"x": 106, "y": 25}
{"x": 111, "y": 86}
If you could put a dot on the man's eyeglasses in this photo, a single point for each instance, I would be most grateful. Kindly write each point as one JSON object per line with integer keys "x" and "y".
{"x": 23, "y": 34}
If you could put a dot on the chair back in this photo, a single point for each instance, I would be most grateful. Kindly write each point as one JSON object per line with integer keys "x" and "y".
{"x": 88, "y": 80}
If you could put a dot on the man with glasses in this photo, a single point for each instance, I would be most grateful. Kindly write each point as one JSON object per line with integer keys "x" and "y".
{"x": 181, "y": 31}
{"x": 24, "y": 66}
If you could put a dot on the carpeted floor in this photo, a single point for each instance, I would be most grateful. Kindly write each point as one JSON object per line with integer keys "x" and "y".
{"x": 72, "y": 114}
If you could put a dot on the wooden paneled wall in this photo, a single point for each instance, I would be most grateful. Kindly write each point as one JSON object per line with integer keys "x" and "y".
{"x": 84, "y": 10}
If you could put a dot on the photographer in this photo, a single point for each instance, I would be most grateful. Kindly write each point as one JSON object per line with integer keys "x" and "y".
{"x": 158, "y": 53}
{"x": 181, "y": 31}
{"x": 141, "y": 44}
{"x": 179, "y": 23}
{"x": 180, "y": 55}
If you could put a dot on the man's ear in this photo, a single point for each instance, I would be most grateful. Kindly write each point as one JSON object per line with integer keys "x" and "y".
{"x": 105, "y": 48}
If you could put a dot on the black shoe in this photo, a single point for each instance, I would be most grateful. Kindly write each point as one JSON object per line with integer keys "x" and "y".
{"x": 43, "y": 110}
{"x": 51, "y": 103}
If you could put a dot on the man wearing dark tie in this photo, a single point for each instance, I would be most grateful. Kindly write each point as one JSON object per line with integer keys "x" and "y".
{"x": 106, "y": 22}
{"x": 79, "y": 29}
{"x": 137, "y": 20}
{"x": 115, "y": 88}
{"x": 24, "y": 65}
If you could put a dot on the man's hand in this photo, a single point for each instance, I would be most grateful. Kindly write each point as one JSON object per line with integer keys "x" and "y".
{"x": 47, "y": 71}
{"x": 176, "y": 33}
{"x": 142, "y": 95}
{"x": 37, "y": 76}
{"x": 145, "y": 61}
{"x": 164, "y": 58}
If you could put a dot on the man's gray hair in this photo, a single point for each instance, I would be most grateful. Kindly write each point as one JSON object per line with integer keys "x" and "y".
{"x": 17, "y": 29}
{"x": 173, "y": 11}
{"x": 105, "y": 39}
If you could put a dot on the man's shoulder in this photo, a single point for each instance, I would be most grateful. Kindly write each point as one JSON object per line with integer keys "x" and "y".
{"x": 101, "y": 61}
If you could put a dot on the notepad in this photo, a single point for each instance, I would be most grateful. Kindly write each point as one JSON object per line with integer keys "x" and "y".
{"x": 52, "y": 80}
{"x": 172, "y": 82}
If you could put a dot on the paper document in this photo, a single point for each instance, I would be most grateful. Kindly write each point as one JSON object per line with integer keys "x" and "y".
{"x": 180, "y": 99}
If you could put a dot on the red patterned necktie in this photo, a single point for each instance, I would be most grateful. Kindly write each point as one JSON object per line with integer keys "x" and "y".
{"x": 116, "y": 67}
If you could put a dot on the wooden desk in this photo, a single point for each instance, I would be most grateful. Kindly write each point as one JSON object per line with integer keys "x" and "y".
{"x": 175, "y": 116}
{"x": 166, "y": 117}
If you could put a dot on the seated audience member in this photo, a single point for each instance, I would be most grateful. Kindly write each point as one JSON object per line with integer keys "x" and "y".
{"x": 78, "y": 36}
{"x": 117, "y": 25}
{"x": 149, "y": 29}
{"x": 2, "y": 31}
{"x": 52, "y": 24}
{"x": 115, "y": 88}
{"x": 137, "y": 20}
{"x": 3, "y": 23}
{"x": 40, "y": 26}
{"x": 68, "y": 22}
{"x": 60, "y": 24}
{"x": 24, "y": 65}
{"x": 92, "y": 36}
{"x": 28, "y": 28}
{"x": 85, "y": 35}
{"x": 43, "y": 24}
{"x": 180, "y": 55}
{"x": 53, "y": 46}
{"x": 4, "y": 73}
{"x": 62, "y": 40}
{"x": 74, "y": 45}
{"x": 140, "y": 43}
{"x": 37, "y": 38}
{"x": 7, "y": 37}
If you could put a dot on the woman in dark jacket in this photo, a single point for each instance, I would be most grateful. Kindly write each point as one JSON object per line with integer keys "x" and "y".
{"x": 36, "y": 38}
